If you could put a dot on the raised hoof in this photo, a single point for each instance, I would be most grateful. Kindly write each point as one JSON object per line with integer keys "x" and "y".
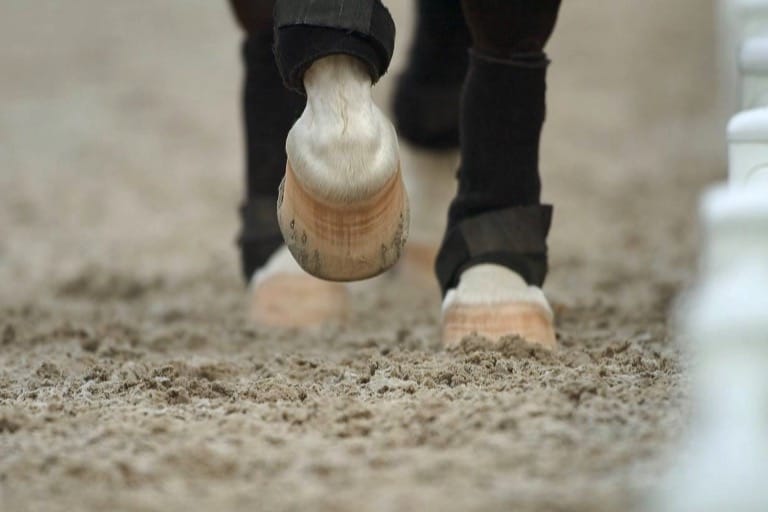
{"x": 290, "y": 300}
{"x": 344, "y": 241}
{"x": 494, "y": 321}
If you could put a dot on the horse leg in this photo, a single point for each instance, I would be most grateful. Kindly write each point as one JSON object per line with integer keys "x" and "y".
{"x": 280, "y": 293}
{"x": 493, "y": 259}
{"x": 426, "y": 114}
{"x": 342, "y": 210}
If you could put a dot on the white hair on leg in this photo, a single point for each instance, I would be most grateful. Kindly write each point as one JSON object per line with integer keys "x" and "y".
{"x": 281, "y": 262}
{"x": 342, "y": 148}
{"x": 489, "y": 284}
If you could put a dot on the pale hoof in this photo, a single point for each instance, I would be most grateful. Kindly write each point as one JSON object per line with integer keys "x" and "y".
{"x": 342, "y": 209}
{"x": 282, "y": 295}
{"x": 493, "y": 302}
{"x": 344, "y": 240}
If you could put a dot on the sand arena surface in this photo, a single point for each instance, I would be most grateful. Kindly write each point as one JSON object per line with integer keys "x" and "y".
{"x": 129, "y": 380}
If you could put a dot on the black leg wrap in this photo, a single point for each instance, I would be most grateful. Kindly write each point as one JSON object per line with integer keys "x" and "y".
{"x": 306, "y": 31}
{"x": 260, "y": 235}
{"x": 269, "y": 111}
{"x": 426, "y": 101}
{"x": 496, "y": 216}
{"x": 427, "y": 115}
{"x": 514, "y": 237}
{"x": 502, "y": 114}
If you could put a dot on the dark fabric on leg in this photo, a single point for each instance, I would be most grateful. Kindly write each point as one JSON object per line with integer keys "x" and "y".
{"x": 513, "y": 237}
{"x": 502, "y": 113}
{"x": 506, "y": 28}
{"x": 269, "y": 111}
{"x": 426, "y": 101}
{"x": 260, "y": 234}
{"x": 306, "y": 31}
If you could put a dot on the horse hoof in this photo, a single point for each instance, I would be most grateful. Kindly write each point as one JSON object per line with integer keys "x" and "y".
{"x": 282, "y": 295}
{"x": 342, "y": 209}
{"x": 493, "y": 302}
{"x": 344, "y": 240}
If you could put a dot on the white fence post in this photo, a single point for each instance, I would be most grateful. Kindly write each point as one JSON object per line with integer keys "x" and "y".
{"x": 739, "y": 20}
{"x": 724, "y": 320}
{"x": 748, "y": 147}
{"x": 753, "y": 65}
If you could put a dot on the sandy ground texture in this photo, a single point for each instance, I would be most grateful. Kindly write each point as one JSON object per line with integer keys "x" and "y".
{"x": 129, "y": 379}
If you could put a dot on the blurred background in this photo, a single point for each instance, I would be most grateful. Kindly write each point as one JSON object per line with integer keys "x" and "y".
{"x": 120, "y": 142}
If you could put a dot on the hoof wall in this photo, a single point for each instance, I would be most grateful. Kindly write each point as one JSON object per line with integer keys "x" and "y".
{"x": 529, "y": 321}
{"x": 344, "y": 241}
